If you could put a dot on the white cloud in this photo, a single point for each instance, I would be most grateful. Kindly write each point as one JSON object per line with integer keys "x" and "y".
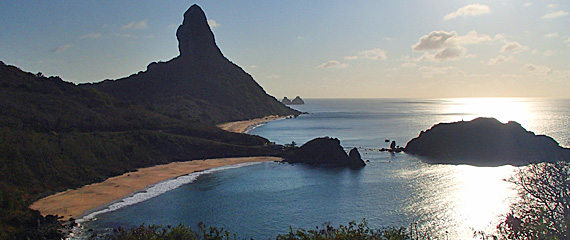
{"x": 551, "y": 35}
{"x": 555, "y": 14}
{"x": 501, "y": 38}
{"x": 499, "y": 60}
{"x": 527, "y": 4}
{"x": 537, "y": 69}
{"x": 213, "y": 23}
{"x": 253, "y": 66}
{"x": 60, "y": 49}
{"x": 136, "y": 25}
{"x": 513, "y": 47}
{"x": 434, "y": 41}
{"x": 469, "y": 10}
{"x": 350, "y": 57}
{"x": 472, "y": 37}
{"x": 374, "y": 54}
{"x": 551, "y": 6}
{"x": 333, "y": 64}
{"x": 91, "y": 35}
{"x": 450, "y": 53}
{"x": 449, "y": 45}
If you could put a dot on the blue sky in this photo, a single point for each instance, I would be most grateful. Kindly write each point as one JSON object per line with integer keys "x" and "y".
{"x": 349, "y": 49}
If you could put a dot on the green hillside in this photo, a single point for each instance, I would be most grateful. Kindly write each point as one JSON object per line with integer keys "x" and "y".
{"x": 55, "y": 135}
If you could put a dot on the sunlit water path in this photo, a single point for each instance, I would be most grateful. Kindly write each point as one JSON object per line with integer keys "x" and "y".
{"x": 264, "y": 199}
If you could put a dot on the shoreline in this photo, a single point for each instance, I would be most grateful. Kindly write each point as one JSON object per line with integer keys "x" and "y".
{"x": 76, "y": 203}
{"x": 246, "y": 125}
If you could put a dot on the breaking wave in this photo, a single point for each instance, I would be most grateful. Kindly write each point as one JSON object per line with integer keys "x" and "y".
{"x": 156, "y": 190}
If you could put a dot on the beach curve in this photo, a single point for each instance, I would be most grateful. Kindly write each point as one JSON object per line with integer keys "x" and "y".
{"x": 76, "y": 203}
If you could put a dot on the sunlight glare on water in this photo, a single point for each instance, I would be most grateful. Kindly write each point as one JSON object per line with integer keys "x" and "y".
{"x": 482, "y": 194}
{"x": 455, "y": 201}
{"x": 503, "y": 109}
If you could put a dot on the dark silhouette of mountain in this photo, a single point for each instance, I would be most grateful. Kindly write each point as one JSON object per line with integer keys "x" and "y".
{"x": 485, "y": 142}
{"x": 48, "y": 125}
{"x": 55, "y": 135}
{"x": 200, "y": 83}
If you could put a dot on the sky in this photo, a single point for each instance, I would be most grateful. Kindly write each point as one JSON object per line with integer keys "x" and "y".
{"x": 312, "y": 49}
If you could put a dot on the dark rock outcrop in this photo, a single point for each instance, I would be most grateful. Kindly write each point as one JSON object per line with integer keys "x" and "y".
{"x": 325, "y": 152}
{"x": 355, "y": 159}
{"x": 195, "y": 39}
{"x": 286, "y": 101}
{"x": 200, "y": 83}
{"x": 485, "y": 142}
{"x": 297, "y": 101}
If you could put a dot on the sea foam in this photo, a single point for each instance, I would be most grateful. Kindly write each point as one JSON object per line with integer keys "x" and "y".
{"x": 157, "y": 189}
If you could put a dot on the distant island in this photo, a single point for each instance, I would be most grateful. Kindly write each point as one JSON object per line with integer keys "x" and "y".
{"x": 296, "y": 101}
{"x": 485, "y": 142}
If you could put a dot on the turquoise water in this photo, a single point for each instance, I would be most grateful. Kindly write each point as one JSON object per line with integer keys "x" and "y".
{"x": 262, "y": 200}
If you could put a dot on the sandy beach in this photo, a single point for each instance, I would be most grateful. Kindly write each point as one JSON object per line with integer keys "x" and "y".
{"x": 242, "y": 126}
{"x": 75, "y": 202}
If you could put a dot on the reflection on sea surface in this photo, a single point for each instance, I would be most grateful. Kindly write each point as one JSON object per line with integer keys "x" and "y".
{"x": 458, "y": 200}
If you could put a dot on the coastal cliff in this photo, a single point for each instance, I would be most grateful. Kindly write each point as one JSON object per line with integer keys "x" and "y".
{"x": 485, "y": 142}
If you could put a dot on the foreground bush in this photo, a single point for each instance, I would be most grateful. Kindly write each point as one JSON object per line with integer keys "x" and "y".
{"x": 179, "y": 232}
{"x": 351, "y": 231}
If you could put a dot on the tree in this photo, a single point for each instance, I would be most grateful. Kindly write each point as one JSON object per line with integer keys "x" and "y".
{"x": 543, "y": 211}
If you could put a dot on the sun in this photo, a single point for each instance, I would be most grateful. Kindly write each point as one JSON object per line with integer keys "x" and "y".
{"x": 503, "y": 109}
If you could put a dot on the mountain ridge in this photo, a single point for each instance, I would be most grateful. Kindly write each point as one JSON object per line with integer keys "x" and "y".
{"x": 200, "y": 83}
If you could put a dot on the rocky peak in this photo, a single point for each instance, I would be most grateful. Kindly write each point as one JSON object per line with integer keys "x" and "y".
{"x": 195, "y": 38}
{"x": 286, "y": 101}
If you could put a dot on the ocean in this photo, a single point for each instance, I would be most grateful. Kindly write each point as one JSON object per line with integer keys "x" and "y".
{"x": 262, "y": 200}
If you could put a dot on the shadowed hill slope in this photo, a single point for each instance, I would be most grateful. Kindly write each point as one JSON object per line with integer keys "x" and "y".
{"x": 200, "y": 83}
{"x": 55, "y": 135}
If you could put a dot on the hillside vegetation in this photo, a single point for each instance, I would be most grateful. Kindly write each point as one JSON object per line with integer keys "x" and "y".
{"x": 55, "y": 135}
